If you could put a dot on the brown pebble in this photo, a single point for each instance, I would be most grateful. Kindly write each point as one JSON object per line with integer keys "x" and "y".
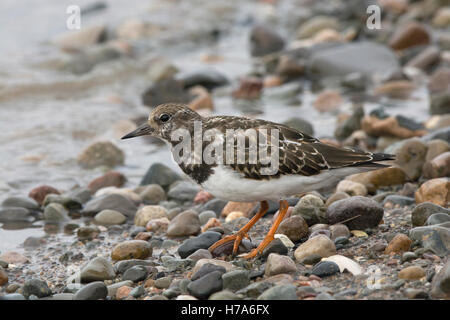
{"x": 13, "y": 257}
{"x": 400, "y": 243}
{"x": 314, "y": 277}
{"x": 412, "y": 273}
{"x": 39, "y": 193}
{"x": 436, "y": 191}
{"x": 143, "y": 236}
{"x": 392, "y": 262}
{"x": 149, "y": 283}
{"x": 212, "y": 223}
{"x": 109, "y": 179}
{"x": 410, "y": 35}
{"x": 131, "y": 249}
{"x": 245, "y": 207}
{"x": 249, "y": 88}
{"x": 3, "y": 277}
{"x": 123, "y": 292}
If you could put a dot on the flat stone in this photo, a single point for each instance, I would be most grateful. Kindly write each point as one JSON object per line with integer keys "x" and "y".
{"x": 438, "y": 218}
{"x": 203, "y": 287}
{"x": 135, "y": 274}
{"x": 13, "y": 257}
{"x": 235, "y": 280}
{"x": 325, "y": 269}
{"x": 203, "y": 241}
{"x": 228, "y": 266}
{"x": 21, "y": 202}
{"x": 423, "y": 210}
{"x": 200, "y": 254}
{"x": 363, "y": 212}
{"x": 205, "y": 269}
{"x": 398, "y": 200}
{"x": 224, "y": 295}
{"x": 12, "y": 296}
{"x": 121, "y": 266}
{"x": 12, "y": 214}
{"x": 412, "y": 273}
{"x": 112, "y": 201}
{"x": 440, "y": 286}
{"x": 349, "y": 58}
{"x": 435, "y": 238}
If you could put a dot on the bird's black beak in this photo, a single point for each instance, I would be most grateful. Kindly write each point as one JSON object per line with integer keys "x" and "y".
{"x": 142, "y": 130}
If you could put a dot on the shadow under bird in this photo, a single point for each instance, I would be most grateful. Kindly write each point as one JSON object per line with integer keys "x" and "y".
{"x": 303, "y": 162}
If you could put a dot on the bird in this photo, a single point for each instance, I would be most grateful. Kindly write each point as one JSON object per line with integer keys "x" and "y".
{"x": 296, "y": 164}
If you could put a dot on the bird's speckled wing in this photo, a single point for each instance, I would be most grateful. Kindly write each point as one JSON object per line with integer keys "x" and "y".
{"x": 298, "y": 153}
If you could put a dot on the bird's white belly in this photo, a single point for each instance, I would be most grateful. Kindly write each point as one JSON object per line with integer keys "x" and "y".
{"x": 229, "y": 185}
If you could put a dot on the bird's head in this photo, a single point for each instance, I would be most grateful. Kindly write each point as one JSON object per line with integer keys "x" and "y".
{"x": 164, "y": 120}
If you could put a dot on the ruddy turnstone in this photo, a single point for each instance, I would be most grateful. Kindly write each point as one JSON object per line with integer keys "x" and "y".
{"x": 297, "y": 163}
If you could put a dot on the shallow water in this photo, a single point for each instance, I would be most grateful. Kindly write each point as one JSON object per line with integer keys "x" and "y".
{"x": 48, "y": 117}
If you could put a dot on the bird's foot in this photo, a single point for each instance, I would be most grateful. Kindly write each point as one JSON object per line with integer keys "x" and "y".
{"x": 237, "y": 238}
{"x": 259, "y": 250}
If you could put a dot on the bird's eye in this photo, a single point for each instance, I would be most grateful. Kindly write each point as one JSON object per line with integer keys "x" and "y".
{"x": 164, "y": 117}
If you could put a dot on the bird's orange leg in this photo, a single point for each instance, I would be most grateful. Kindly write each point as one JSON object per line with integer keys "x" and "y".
{"x": 284, "y": 206}
{"x": 237, "y": 237}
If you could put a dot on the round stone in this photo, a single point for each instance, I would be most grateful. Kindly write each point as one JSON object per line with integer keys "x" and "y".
{"x": 147, "y": 213}
{"x": 325, "y": 269}
{"x": 412, "y": 273}
{"x": 110, "y": 217}
{"x": 320, "y": 245}
{"x": 132, "y": 249}
{"x": 98, "y": 269}
{"x": 36, "y": 287}
{"x": 295, "y": 228}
